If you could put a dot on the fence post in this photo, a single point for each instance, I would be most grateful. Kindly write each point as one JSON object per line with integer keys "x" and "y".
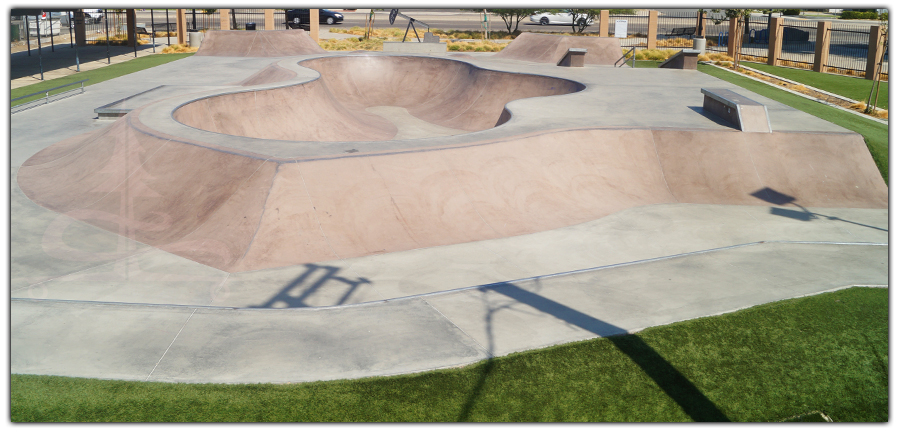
{"x": 314, "y": 24}
{"x": 224, "y": 22}
{"x": 180, "y": 26}
{"x": 651, "y": 29}
{"x": 823, "y": 41}
{"x": 876, "y": 50}
{"x": 80, "y": 32}
{"x": 270, "y": 19}
{"x": 130, "y": 23}
{"x": 776, "y": 33}
{"x": 733, "y": 24}
{"x": 701, "y": 24}
{"x": 604, "y": 23}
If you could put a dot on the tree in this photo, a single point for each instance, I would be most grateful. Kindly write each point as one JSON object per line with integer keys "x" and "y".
{"x": 512, "y": 17}
{"x": 871, "y": 106}
{"x": 581, "y": 18}
{"x": 740, "y": 15}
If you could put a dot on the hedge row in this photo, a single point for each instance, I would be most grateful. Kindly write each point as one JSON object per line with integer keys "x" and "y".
{"x": 861, "y": 15}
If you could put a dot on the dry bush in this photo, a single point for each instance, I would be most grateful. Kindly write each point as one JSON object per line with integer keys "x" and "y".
{"x": 714, "y": 57}
{"x": 178, "y": 48}
{"x": 652, "y": 55}
{"x": 352, "y": 44}
{"x": 676, "y": 42}
{"x": 119, "y": 40}
{"x": 483, "y": 46}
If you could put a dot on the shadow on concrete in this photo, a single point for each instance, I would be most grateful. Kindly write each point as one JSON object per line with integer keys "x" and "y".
{"x": 22, "y": 65}
{"x": 713, "y": 117}
{"x": 775, "y": 197}
{"x": 694, "y": 403}
{"x": 296, "y": 293}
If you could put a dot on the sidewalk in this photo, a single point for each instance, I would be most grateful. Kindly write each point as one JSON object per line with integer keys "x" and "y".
{"x": 26, "y": 70}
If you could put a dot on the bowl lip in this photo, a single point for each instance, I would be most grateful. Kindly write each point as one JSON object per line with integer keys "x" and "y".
{"x": 294, "y": 65}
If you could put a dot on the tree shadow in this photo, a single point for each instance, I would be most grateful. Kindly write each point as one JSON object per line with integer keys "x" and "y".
{"x": 694, "y": 403}
{"x": 775, "y": 197}
{"x": 296, "y": 293}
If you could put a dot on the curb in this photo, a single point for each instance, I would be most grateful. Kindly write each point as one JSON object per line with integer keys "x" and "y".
{"x": 869, "y": 117}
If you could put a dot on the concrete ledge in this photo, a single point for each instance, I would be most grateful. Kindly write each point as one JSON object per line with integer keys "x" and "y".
{"x": 574, "y": 57}
{"x": 415, "y": 47}
{"x": 746, "y": 114}
{"x": 684, "y": 60}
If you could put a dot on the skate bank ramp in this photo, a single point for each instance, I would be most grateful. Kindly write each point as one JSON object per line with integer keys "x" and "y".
{"x": 548, "y": 48}
{"x": 258, "y": 44}
{"x": 240, "y": 213}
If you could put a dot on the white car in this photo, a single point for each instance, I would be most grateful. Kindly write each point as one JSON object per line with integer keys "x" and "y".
{"x": 563, "y": 17}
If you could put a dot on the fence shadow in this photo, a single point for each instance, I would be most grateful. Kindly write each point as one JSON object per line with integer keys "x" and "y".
{"x": 296, "y": 293}
{"x": 694, "y": 403}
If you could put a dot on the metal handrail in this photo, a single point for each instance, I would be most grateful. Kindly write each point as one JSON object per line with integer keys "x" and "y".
{"x": 47, "y": 93}
{"x": 625, "y": 57}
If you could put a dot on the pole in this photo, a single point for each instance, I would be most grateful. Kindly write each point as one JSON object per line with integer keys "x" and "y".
{"x": 168, "y": 37}
{"x": 50, "y": 20}
{"x": 194, "y": 19}
{"x": 71, "y": 16}
{"x": 106, "y": 22}
{"x": 152, "y": 31}
{"x": 27, "y": 36}
{"x": 40, "y": 56}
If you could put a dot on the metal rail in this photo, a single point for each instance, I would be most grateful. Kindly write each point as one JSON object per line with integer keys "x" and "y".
{"x": 46, "y": 93}
{"x": 624, "y": 57}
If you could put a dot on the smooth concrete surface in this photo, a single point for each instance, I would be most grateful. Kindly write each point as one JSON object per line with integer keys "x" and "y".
{"x": 89, "y": 299}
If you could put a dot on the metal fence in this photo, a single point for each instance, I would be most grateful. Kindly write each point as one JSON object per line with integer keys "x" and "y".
{"x": 202, "y": 19}
{"x": 241, "y": 17}
{"x": 798, "y": 44}
{"x": 849, "y": 49}
{"x": 675, "y": 30}
{"x": 716, "y": 31}
{"x": 637, "y": 29}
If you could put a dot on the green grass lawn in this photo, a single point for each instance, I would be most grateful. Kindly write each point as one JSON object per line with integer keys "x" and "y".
{"x": 875, "y": 134}
{"x": 853, "y": 88}
{"x": 96, "y": 75}
{"x": 780, "y": 361}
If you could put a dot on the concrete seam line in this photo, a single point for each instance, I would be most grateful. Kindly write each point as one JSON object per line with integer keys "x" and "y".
{"x": 450, "y": 291}
{"x": 490, "y": 355}
{"x": 216, "y": 292}
{"x": 262, "y": 213}
{"x": 659, "y": 161}
{"x": 138, "y": 252}
{"x": 325, "y": 237}
{"x": 170, "y": 344}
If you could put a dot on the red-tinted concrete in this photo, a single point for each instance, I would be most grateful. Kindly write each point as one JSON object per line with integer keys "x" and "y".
{"x": 260, "y": 44}
{"x": 443, "y": 92}
{"x": 548, "y": 48}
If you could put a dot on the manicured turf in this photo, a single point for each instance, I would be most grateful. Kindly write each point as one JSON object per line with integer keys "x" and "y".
{"x": 96, "y": 75}
{"x": 875, "y": 134}
{"x": 853, "y": 88}
{"x": 776, "y": 362}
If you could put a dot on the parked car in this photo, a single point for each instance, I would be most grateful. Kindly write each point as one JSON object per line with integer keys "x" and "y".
{"x": 301, "y": 16}
{"x": 563, "y": 17}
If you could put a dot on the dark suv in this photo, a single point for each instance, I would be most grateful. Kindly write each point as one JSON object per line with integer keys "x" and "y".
{"x": 297, "y": 17}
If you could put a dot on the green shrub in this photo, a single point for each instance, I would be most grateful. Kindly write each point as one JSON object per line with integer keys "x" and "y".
{"x": 791, "y": 12}
{"x": 865, "y": 15}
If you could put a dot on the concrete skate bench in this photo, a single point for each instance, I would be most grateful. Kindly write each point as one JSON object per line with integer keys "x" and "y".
{"x": 746, "y": 114}
{"x": 574, "y": 57}
{"x": 684, "y": 60}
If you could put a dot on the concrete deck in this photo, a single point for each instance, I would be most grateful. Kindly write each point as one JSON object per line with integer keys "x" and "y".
{"x": 89, "y": 302}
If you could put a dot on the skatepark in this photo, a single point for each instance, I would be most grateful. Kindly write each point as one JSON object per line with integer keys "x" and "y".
{"x": 268, "y": 211}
